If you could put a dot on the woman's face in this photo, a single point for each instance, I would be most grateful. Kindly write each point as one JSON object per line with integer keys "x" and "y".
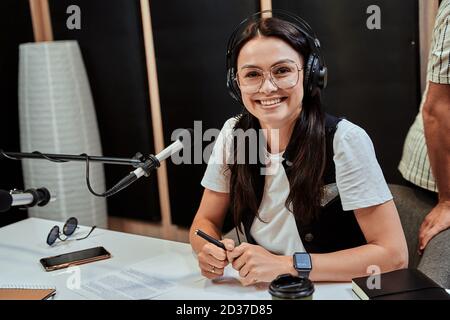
{"x": 274, "y": 107}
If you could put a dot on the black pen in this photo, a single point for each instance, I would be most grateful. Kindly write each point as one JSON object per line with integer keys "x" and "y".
{"x": 210, "y": 239}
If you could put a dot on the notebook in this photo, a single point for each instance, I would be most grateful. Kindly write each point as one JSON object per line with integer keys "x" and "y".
{"x": 404, "y": 284}
{"x": 35, "y": 292}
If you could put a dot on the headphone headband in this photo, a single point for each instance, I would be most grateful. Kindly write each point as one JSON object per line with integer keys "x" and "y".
{"x": 315, "y": 77}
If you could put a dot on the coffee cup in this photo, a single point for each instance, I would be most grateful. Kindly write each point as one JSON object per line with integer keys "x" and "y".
{"x": 289, "y": 287}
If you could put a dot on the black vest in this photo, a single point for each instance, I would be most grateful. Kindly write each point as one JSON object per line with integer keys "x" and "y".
{"x": 333, "y": 229}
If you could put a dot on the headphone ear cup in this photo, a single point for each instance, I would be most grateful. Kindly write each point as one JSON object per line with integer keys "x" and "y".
{"x": 307, "y": 83}
{"x": 323, "y": 77}
{"x": 315, "y": 76}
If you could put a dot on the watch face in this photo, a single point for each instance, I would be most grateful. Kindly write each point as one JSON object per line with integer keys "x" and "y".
{"x": 302, "y": 261}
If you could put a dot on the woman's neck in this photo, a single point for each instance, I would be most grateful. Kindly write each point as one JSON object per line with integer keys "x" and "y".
{"x": 278, "y": 137}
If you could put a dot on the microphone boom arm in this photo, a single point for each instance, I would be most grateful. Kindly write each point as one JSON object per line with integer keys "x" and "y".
{"x": 144, "y": 164}
{"x": 136, "y": 161}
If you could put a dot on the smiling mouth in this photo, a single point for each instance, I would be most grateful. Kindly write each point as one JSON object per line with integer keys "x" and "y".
{"x": 271, "y": 102}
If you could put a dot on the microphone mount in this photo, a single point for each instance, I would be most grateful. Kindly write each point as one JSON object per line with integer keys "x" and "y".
{"x": 24, "y": 199}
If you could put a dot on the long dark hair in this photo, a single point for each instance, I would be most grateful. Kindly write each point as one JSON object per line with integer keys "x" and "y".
{"x": 306, "y": 146}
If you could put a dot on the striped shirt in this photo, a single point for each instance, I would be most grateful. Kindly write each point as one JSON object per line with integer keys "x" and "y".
{"x": 415, "y": 164}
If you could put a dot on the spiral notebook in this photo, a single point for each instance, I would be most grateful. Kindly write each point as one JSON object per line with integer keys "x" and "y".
{"x": 33, "y": 292}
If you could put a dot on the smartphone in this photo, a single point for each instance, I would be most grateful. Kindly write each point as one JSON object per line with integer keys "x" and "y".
{"x": 74, "y": 258}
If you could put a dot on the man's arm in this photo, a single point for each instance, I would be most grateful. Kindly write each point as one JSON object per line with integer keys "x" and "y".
{"x": 436, "y": 119}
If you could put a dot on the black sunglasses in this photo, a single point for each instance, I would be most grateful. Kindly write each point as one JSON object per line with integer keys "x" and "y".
{"x": 69, "y": 228}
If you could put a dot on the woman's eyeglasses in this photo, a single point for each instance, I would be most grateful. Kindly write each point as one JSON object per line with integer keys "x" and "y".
{"x": 69, "y": 228}
{"x": 283, "y": 76}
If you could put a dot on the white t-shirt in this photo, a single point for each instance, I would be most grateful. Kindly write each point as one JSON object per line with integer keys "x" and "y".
{"x": 359, "y": 181}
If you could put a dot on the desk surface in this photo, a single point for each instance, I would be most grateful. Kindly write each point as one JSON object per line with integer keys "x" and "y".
{"x": 23, "y": 244}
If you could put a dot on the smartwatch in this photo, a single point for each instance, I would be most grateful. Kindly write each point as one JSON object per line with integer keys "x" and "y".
{"x": 302, "y": 263}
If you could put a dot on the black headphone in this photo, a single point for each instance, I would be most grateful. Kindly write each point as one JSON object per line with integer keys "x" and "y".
{"x": 315, "y": 71}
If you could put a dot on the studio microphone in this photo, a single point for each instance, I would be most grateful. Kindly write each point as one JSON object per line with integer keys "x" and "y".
{"x": 185, "y": 140}
{"x": 27, "y": 198}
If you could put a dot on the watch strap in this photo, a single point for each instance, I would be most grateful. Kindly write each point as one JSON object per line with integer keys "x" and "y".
{"x": 304, "y": 273}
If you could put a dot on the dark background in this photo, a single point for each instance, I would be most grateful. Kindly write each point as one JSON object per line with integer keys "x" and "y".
{"x": 373, "y": 80}
{"x": 373, "y": 74}
{"x": 190, "y": 45}
{"x": 15, "y": 28}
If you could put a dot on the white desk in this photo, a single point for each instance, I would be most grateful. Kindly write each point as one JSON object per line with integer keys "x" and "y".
{"x": 22, "y": 245}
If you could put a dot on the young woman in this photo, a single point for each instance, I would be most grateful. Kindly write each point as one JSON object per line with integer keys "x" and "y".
{"x": 325, "y": 196}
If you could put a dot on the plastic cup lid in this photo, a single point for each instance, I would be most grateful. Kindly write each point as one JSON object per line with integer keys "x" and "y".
{"x": 287, "y": 286}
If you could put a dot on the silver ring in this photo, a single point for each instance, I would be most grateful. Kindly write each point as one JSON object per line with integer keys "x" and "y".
{"x": 212, "y": 269}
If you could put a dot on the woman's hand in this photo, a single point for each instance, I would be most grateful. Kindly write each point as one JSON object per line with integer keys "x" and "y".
{"x": 256, "y": 264}
{"x": 212, "y": 259}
